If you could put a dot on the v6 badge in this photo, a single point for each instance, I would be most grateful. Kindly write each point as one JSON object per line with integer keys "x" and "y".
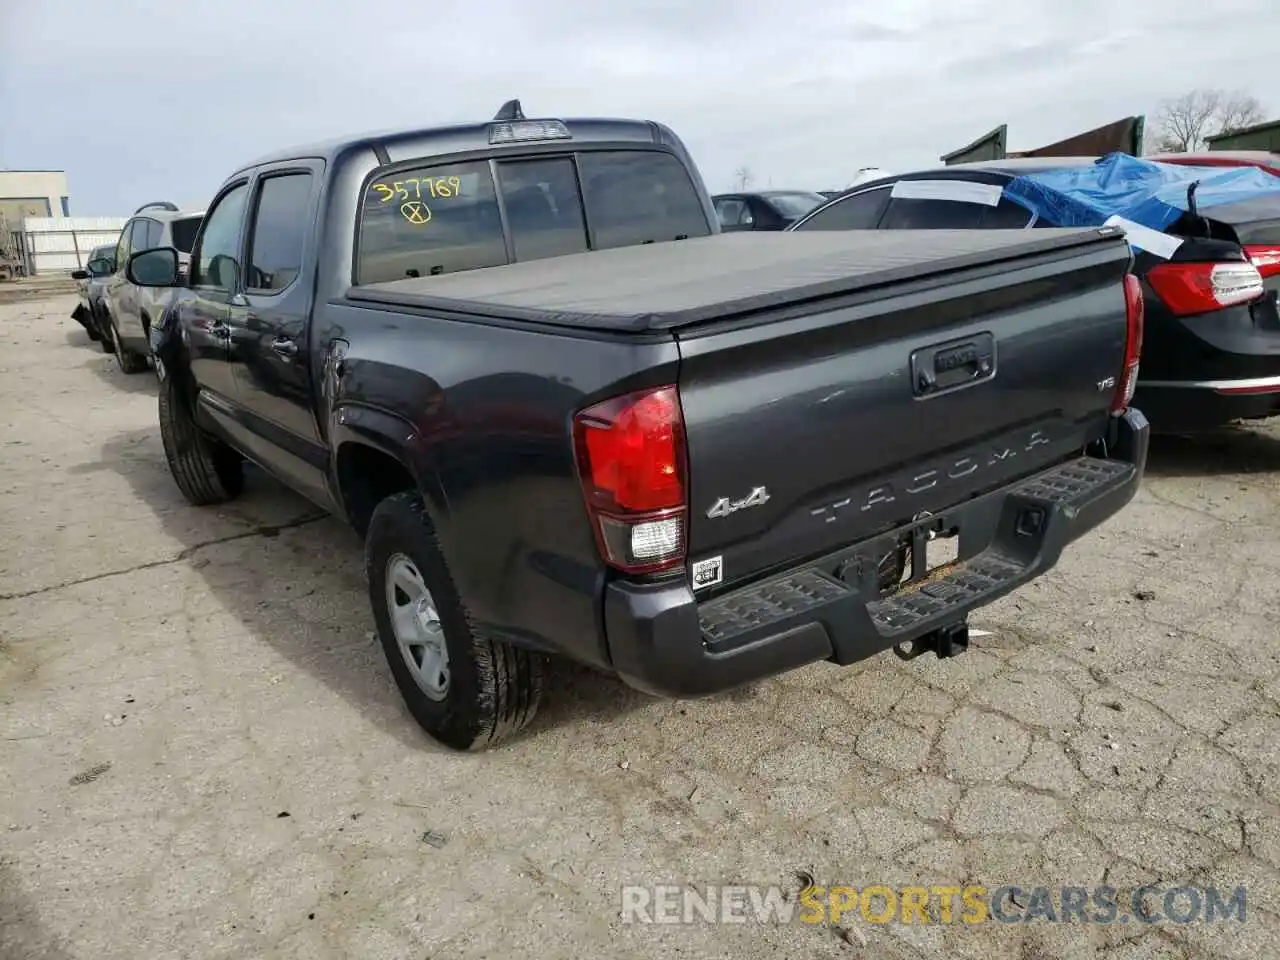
{"x": 707, "y": 573}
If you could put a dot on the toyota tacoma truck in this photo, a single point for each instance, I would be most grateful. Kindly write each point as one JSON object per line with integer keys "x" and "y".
{"x": 568, "y": 417}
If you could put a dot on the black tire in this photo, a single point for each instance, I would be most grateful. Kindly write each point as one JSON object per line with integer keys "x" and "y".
{"x": 106, "y": 335}
{"x": 494, "y": 689}
{"x": 206, "y": 470}
{"x": 129, "y": 361}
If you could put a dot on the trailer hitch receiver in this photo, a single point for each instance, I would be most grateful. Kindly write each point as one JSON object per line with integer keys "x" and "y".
{"x": 949, "y": 641}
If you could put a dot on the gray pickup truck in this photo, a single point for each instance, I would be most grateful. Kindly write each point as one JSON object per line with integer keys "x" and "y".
{"x": 569, "y": 417}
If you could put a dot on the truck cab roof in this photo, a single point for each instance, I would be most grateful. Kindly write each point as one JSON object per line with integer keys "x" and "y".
{"x": 391, "y": 146}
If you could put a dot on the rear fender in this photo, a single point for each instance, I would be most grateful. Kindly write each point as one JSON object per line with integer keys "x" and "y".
{"x": 166, "y": 339}
{"x": 396, "y": 438}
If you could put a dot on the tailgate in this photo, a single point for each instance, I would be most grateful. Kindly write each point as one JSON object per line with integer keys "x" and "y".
{"x": 807, "y": 432}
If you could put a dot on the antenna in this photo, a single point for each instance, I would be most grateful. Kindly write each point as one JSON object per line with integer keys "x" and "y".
{"x": 510, "y": 111}
{"x": 1194, "y": 209}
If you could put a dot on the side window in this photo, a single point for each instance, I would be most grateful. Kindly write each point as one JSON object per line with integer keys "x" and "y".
{"x": 639, "y": 196}
{"x": 279, "y": 231}
{"x": 748, "y": 217}
{"x": 155, "y": 234}
{"x": 138, "y": 236}
{"x": 544, "y": 207}
{"x": 428, "y": 220}
{"x": 122, "y": 245}
{"x": 859, "y": 211}
{"x": 728, "y": 211}
{"x": 216, "y": 262}
{"x": 183, "y": 233}
{"x": 911, "y": 214}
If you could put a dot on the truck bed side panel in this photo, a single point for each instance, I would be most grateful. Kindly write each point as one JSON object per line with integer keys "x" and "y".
{"x": 488, "y": 412}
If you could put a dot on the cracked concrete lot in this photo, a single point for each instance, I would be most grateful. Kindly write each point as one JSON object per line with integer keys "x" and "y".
{"x": 204, "y": 755}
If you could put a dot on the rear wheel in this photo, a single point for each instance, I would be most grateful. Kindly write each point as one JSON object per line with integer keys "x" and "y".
{"x": 106, "y": 335}
{"x": 206, "y": 470}
{"x": 130, "y": 362}
{"x": 467, "y": 691}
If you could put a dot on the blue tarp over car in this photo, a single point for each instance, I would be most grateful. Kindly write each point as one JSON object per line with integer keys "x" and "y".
{"x": 1143, "y": 192}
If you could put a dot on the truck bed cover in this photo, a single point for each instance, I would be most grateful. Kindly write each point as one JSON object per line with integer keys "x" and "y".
{"x": 665, "y": 285}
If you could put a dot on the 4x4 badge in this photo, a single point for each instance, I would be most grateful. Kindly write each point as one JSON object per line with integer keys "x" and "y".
{"x": 725, "y": 506}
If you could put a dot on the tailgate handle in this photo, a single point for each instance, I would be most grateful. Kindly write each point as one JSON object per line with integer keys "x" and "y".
{"x": 942, "y": 367}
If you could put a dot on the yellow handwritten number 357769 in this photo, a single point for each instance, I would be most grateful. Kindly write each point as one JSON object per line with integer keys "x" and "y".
{"x": 434, "y": 188}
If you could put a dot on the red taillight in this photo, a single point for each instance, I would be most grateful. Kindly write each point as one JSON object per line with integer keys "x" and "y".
{"x": 631, "y": 463}
{"x": 1135, "y": 315}
{"x": 1265, "y": 258}
{"x": 1189, "y": 288}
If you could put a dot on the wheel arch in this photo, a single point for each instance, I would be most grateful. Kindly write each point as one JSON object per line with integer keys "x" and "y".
{"x": 373, "y": 458}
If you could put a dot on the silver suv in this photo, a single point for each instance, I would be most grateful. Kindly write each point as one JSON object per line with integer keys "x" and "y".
{"x": 132, "y": 309}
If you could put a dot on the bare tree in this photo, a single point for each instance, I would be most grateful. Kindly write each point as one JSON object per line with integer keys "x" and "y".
{"x": 1239, "y": 110}
{"x": 1187, "y": 120}
{"x": 742, "y": 178}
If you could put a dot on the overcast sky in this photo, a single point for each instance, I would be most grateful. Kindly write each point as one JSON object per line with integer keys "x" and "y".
{"x": 161, "y": 100}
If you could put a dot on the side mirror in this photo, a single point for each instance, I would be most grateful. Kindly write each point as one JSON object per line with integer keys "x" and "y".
{"x": 79, "y": 275}
{"x": 153, "y": 268}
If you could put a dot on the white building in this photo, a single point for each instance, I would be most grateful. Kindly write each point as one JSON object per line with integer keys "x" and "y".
{"x": 33, "y": 193}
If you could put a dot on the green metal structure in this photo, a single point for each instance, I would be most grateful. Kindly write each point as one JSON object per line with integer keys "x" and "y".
{"x": 1261, "y": 136}
{"x": 1123, "y": 135}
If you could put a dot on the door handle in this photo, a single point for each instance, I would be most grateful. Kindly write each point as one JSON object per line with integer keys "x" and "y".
{"x": 284, "y": 348}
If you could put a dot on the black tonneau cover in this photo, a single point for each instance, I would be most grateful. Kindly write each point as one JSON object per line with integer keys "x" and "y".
{"x": 663, "y": 285}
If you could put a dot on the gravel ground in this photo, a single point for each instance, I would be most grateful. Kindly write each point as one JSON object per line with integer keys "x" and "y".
{"x": 205, "y": 757}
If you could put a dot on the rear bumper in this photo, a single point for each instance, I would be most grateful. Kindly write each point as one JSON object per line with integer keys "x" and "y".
{"x": 1200, "y": 405}
{"x": 1210, "y": 369}
{"x": 663, "y": 641}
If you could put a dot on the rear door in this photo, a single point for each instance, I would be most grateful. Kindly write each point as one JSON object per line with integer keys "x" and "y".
{"x": 117, "y": 285}
{"x": 268, "y": 347}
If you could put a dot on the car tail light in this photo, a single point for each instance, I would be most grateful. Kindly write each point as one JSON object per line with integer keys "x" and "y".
{"x": 1188, "y": 288}
{"x": 1265, "y": 258}
{"x": 631, "y": 464}
{"x": 1135, "y": 319}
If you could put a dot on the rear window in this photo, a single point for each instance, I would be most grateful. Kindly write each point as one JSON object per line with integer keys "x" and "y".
{"x": 913, "y": 214}
{"x": 639, "y": 196}
{"x": 443, "y": 218}
{"x": 429, "y": 220}
{"x": 184, "y": 233}
{"x": 857, "y": 211}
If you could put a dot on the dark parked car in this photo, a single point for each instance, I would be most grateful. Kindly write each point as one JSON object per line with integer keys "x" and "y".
{"x": 567, "y": 417}
{"x": 1262, "y": 159}
{"x": 91, "y": 283}
{"x": 768, "y": 210}
{"x": 1212, "y": 348}
{"x": 131, "y": 311}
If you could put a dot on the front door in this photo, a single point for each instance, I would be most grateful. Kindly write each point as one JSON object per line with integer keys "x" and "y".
{"x": 205, "y": 315}
{"x": 270, "y": 353}
{"x": 117, "y": 287}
